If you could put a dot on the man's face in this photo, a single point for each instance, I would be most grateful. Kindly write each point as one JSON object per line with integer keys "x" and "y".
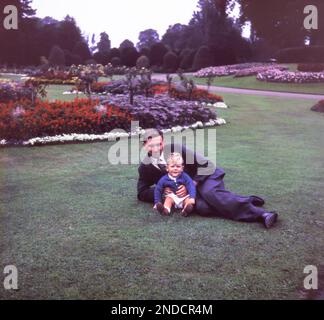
{"x": 154, "y": 146}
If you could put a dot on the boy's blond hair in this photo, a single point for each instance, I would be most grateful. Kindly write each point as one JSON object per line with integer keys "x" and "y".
{"x": 174, "y": 157}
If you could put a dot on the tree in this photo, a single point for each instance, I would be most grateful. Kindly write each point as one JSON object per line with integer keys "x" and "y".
{"x": 157, "y": 53}
{"x": 170, "y": 62}
{"x": 128, "y": 56}
{"x": 56, "y": 57}
{"x": 104, "y": 43}
{"x": 174, "y": 37}
{"x": 126, "y": 44}
{"x": 147, "y": 38}
{"x": 143, "y": 62}
{"x": 81, "y": 49}
{"x": 203, "y": 58}
{"x": 284, "y": 26}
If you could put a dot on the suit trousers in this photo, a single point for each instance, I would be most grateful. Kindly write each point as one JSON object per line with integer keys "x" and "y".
{"x": 214, "y": 200}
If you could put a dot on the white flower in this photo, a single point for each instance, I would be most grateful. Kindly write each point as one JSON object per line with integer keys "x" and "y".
{"x": 220, "y": 105}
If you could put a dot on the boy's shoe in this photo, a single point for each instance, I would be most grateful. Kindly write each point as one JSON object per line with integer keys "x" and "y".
{"x": 164, "y": 211}
{"x": 269, "y": 219}
{"x": 187, "y": 210}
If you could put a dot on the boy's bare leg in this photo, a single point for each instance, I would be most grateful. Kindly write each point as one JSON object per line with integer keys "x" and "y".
{"x": 168, "y": 203}
{"x": 188, "y": 206}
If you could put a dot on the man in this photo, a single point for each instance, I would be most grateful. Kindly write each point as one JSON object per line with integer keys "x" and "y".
{"x": 212, "y": 197}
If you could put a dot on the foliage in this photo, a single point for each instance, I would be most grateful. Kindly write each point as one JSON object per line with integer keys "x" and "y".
{"x": 56, "y": 57}
{"x": 311, "y": 67}
{"x": 52, "y": 118}
{"x": 203, "y": 58}
{"x": 147, "y": 38}
{"x": 13, "y": 91}
{"x": 170, "y": 62}
{"x": 291, "y": 77}
{"x": 143, "y": 62}
{"x": 318, "y": 107}
{"x": 280, "y": 22}
{"x": 310, "y": 54}
{"x": 104, "y": 43}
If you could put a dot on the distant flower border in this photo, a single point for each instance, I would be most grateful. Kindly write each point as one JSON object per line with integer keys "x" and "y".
{"x": 109, "y": 136}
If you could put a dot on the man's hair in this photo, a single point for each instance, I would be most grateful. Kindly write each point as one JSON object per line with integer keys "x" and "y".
{"x": 151, "y": 133}
{"x": 174, "y": 157}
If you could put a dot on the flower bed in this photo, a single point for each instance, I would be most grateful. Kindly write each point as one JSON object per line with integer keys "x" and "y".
{"x": 318, "y": 107}
{"x": 12, "y": 90}
{"x": 255, "y": 70}
{"x": 239, "y": 70}
{"x": 20, "y": 121}
{"x": 177, "y": 92}
{"x": 291, "y": 77}
{"x": 96, "y": 87}
{"x": 161, "y": 111}
{"x": 73, "y": 81}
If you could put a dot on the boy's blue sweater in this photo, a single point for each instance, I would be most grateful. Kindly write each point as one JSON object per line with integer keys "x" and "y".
{"x": 165, "y": 181}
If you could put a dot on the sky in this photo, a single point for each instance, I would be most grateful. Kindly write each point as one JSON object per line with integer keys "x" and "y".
{"x": 121, "y": 19}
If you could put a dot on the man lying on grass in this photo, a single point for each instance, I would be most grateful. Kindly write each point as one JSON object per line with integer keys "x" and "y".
{"x": 212, "y": 198}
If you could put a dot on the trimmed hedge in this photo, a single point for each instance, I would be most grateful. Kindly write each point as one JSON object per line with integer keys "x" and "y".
{"x": 311, "y": 67}
{"x": 301, "y": 54}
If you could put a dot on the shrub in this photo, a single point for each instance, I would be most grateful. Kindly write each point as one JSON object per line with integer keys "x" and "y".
{"x": 203, "y": 58}
{"x": 56, "y": 57}
{"x": 301, "y": 54}
{"x": 170, "y": 62}
{"x": 318, "y": 107}
{"x": 187, "y": 57}
{"x": 311, "y": 67}
{"x": 116, "y": 62}
{"x": 12, "y": 91}
{"x": 143, "y": 62}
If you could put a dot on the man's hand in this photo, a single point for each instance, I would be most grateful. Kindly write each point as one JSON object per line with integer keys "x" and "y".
{"x": 182, "y": 191}
{"x": 167, "y": 191}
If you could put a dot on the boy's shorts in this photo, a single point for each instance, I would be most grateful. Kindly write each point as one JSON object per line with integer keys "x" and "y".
{"x": 178, "y": 202}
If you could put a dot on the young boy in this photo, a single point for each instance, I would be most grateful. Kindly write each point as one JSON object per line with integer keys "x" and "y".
{"x": 173, "y": 180}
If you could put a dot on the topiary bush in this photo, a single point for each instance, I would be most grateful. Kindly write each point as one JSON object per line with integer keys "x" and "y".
{"x": 170, "y": 62}
{"x": 143, "y": 62}
{"x": 311, "y": 67}
{"x": 203, "y": 58}
{"x": 301, "y": 54}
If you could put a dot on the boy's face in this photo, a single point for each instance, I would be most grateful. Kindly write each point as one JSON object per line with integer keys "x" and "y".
{"x": 175, "y": 168}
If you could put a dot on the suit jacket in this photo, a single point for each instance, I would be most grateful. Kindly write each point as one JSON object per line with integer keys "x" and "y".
{"x": 149, "y": 175}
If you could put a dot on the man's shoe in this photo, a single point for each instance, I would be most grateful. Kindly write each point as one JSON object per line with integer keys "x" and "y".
{"x": 187, "y": 210}
{"x": 269, "y": 219}
{"x": 257, "y": 201}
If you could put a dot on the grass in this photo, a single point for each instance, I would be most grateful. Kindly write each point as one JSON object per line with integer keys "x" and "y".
{"x": 252, "y": 83}
{"x": 72, "y": 225}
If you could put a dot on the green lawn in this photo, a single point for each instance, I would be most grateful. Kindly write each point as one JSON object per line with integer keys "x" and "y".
{"x": 252, "y": 83}
{"x": 72, "y": 225}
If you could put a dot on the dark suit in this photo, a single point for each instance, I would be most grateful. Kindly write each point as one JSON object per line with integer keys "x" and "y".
{"x": 212, "y": 197}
